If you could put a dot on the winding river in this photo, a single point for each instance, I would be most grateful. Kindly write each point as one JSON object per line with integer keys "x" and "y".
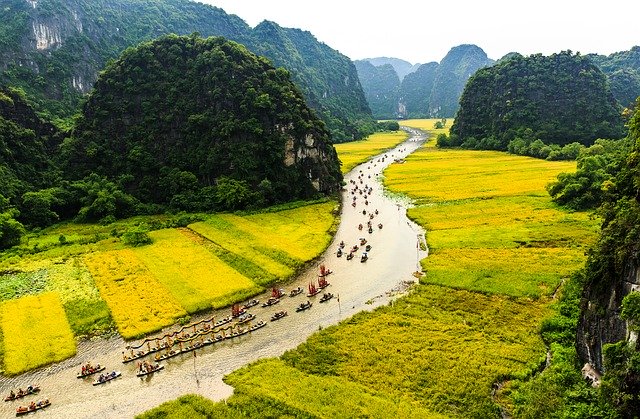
{"x": 360, "y": 286}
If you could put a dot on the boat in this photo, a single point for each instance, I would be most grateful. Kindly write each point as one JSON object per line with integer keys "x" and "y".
{"x": 278, "y": 315}
{"x": 222, "y": 321}
{"x": 363, "y": 241}
{"x": 137, "y": 355}
{"x": 324, "y": 271}
{"x": 364, "y": 257}
{"x": 247, "y": 317}
{"x": 271, "y": 301}
{"x": 304, "y": 306}
{"x": 251, "y": 303}
{"x": 367, "y": 247}
{"x": 295, "y": 292}
{"x": 277, "y": 292}
{"x": 370, "y": 229}
{"x": 32, "y": 407}
{"x": 88, "y": 370}
{"x": 313, "y": 290}
{"x": 147, "y": 368}
{"x": 339, "y": 253}
{"x": 342, "y": 242}
{"x": 22, "y": 393}
{"x": 237, "y": 311}
{"x": 326, "y": 297}
{"x": 168, "y": 354}
{"x": 350, "y": 256}
{"x": 322, "y": 283}
{"x": 106, "y": 378}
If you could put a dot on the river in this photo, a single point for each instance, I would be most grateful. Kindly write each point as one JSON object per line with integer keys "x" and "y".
{"x": 360, "y": 286}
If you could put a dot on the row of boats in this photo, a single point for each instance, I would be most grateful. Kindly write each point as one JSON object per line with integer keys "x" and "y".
{"x": 31, "y": 407}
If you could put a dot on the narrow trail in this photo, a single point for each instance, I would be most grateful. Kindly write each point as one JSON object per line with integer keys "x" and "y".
{"x": 393, "y": 259}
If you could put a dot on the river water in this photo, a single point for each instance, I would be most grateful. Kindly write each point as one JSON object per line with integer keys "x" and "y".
{"x": 360, "y": 286}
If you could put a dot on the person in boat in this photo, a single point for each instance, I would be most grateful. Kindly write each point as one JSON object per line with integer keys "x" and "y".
{"x": 101, "y": 378}
{"x": 32, "y": 406}
{"x": 29, "y": 389}
{"x": 20, "y": 392}
{"x": 12, "y": 395}
{"x": 380, "y": 225}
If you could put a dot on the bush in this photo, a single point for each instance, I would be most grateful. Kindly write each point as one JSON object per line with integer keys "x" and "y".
{"x": 137, "y": 236}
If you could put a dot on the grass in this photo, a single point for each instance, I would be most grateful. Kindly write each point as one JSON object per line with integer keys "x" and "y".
{"x": 195, "y": 277}
{"x": 354, "y": 153}
{"x": 427, "y": 125}
{"x": 35, "y": 332}
{"x": 138, "y": 302}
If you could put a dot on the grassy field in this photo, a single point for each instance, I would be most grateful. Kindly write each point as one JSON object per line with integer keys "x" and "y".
{"x": 498, "y": 250}
{"x": 35, "y": 332}
{"x": 353, "y": 153}
{"x": 427, "y": 125}
{"x": 195, "y": 277}
{"x": 102, "y": 285}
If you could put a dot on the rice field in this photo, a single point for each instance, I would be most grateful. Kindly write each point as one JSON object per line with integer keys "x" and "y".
{"x": 35, "y": 332}
{"x": 138, "y": 302}
{"x": 195, "y": 277}
{"x": 427, "y": 125}
{"x": 353, "y": 153}
{"x": 498, "y": 250}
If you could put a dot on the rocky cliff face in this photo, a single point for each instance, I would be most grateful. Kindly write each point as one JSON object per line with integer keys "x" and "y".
{"x": 54, "y": 50}
{"x": 600, "y": 321}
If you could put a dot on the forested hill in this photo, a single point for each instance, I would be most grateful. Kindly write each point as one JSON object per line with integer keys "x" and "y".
{"x": 428, "y": 90}
{"x": 197, "y": 123}
{"x": 623, "y": 71}
{"x": 54, "y": 49}
{"x": 559, "y": 99}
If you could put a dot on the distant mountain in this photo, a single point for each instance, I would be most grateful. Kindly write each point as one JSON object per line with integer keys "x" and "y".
{"x": 623, "y": 71}
{"x": 416, "y": 89}
{"x": 456, "y": 67}
{"x": 426, "y": 91}
{"x": 54, "y": 49}
{"x": 558, "y": 99}
{"x": 401, "y": 67}
{"x": 381, "y": 86}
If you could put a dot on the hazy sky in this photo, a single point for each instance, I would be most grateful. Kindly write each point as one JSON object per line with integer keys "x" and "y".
{"x": 421, "y": 31}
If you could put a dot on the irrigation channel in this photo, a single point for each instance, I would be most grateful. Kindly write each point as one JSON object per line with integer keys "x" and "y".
{"x": 357, "y": 286}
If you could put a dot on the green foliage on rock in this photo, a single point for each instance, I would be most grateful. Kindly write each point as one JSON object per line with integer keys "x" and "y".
{"x": 197, "y": 124}
{"x": 561, "y": 98}
{"x": 381, "y": 88}
{"x": 75, "y": 39}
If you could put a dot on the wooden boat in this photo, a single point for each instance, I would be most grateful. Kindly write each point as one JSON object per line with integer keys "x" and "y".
{"x": 322, "y": 283}
{"x": 149, "y": 369}
{"x": 137, "y": 355}
{"x": 326, "y": 297}
{"x": 350, "y": 256}
{"x": 370, "y": 229}
{"x": 313, "y": 290}
{"x": 34, "y": 406}
{"x": 223, "y": 321}
{"x": 167, "y": 355}
{"x": 90, "y": 371}
{"x": 364, "y": 257}
{"x": 304, "y": 306}
{"x": 251, "y": 303}
{"x": 339, "y": 253}
{"x": 295, "y": 292}
{"x": 247, "y": 317}
{"x": 363, "y": 241}
{"x": 277, "y": 292}
{"x": 278, "y": 315}
{"x": 237, "y": 311}
{"x": 271, "y": 301}
{"x": 106, "y": 378}
{"x": 324, "y": 271}
{"x": 22, "y": 393}
{"x": 368, "y": 247}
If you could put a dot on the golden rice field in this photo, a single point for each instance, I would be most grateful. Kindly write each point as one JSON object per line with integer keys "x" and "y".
{"x": 35, "y": 332}
{"x": 139, "y": 303}
{"x": 353, "y": 153}
{"x": 498, "y": 249}
{"x": 194, "y": 276}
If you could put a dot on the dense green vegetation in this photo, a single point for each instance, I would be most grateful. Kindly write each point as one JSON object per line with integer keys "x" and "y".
{"x": 559, "y": 99}
{"x": 206, "y": 124}
{"x": 380, "y": 85}
{"x": 416, "y": 89}
{"x": 78, "y": 37}
{"x": 623, "y": 71}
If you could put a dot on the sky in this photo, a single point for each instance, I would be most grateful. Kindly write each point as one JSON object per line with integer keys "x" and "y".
{"x": 421, "y": 31}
